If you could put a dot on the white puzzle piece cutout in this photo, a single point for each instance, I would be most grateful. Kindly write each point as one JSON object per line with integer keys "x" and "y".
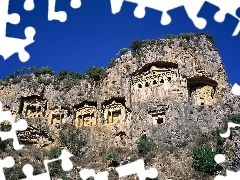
{"x": 29, "y": 5}
{"x": 192, "y": 9}
{"x": 20, "y": 125}
{"x": 236, "y": 89}
{"x": 66, "y": 166}
{"x": 138, "y": 168}
{"x": 60, "y": 15}
{"x": 10, "y": 45}
{"x": 220, "y": 158}
{"x": 87, "y": 173}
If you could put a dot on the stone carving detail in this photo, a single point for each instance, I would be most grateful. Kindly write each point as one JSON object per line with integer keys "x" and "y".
{"x": 203, "y": 95}
{"x": 33, "y": 106}
{"x": 86, "y": 115}
{"x": 156, "y": 82}
{"x": 202, "y": 90}
{"x": 159, "y": 114}
{"x": 114, "y": 112}
{"x": 56, "y": 115}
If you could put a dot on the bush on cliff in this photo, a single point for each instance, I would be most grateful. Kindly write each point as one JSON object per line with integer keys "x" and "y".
{"x": 144, "y": 145}
{"x": 203, "y": 159}
{"x": 71, "y": 139}
{"x": 96, "y": 73}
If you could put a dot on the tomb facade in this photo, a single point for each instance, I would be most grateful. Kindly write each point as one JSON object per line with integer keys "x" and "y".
{"x": 159, "y": 115}
{"x": 56, "y": 115}
{"x": 114, "y": 112}
{"x": 202, "y": 91}
{"x": 203, "y": 95}
{"x": 86, "y": 115}
{"x": 33, "y": 107}
{"x": 156, "y": 81}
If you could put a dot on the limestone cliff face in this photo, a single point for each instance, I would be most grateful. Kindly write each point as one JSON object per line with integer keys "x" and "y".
{"x": 171, "y": 90}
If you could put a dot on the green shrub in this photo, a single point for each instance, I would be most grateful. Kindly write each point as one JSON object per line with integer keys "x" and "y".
{"x": 122, "y": 52}
{"x": 144, "y": 145}
{"x": 75, "y": 75}
{"x": 189, "y": 36}
{"x": 36, "y": 171}
{"x": 186, "y": 36}
{"x": 62, "y": 74}
{"x": 54, "y": 152}
{"x": 203, "y": 159}
{"x": 218, "y": 139}
{"x": 235, "y": 118}
{"x": 55, "y": 167}
{"x": 43, "y": 70}
{"x": 112, "y": 156}
{"x": 72, "y": 140}
{"x": 5, "y": 128}
{"x": 7, "y": 78}
{"x": 3, "y": 145}
{"x": 25, "y": 71}
{"x": 96, "y": 73}
{"x": 137, "y": 45}
{"x": 169, "y": 36}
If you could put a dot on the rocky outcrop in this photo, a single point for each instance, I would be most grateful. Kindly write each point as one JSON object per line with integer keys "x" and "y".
{"x": 170, "y": 89}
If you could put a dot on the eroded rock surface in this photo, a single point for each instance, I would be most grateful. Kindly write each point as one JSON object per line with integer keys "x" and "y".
{"x": 171, "y": 90}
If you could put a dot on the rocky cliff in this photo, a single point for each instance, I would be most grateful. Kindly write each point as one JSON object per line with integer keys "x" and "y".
{"x": 172, "y": 90}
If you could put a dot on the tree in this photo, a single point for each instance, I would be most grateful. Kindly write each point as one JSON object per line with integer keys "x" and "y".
{"x": 72, "y": 140}
{"x": 137, "y": 45}
{"x": 144, "y": 145}
{"x": 62, "y": 74}
{"x": 96, "y": 73}
{"x": 43, "y": 70}
{"x": 122, "y": 52}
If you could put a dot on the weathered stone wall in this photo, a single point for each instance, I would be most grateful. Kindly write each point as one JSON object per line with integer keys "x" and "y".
{"x": 170, "y": 90}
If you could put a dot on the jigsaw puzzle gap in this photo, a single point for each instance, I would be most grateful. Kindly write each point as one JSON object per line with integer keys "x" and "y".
{"x": 10, "y": 45}
{"x": 55, "y": 15}
{"x": 220, "y": 158}
{"x": 192, "y": 8}
{"x": 16, "y": 126}
{"x": 138, "y": 168}
{"x": 87, "y": 173}
{"x": 29, "y": 5}
{"x": 116, "y": 6}
{"x": 66, "y": 164}
{"x": 238, "y": 12}
{"x": 75, "y": 4}
{"x": 237, "y": 30}
{"x": 236, "y": 89}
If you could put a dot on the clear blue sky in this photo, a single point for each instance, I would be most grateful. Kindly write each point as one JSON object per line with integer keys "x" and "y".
{"x": 92, "y": 35}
